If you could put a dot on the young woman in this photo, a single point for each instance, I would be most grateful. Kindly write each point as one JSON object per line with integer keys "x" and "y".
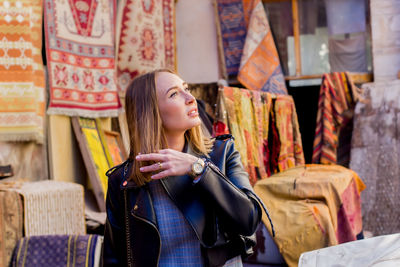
{"x": 180, "y": 199}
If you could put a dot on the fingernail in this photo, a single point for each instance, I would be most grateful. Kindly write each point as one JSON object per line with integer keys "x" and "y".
{"x": 141, "y": 169}
{"x": 152, "y": 177}
{"x": 137, "y": 157}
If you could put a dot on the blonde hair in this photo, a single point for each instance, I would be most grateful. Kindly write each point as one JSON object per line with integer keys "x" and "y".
{"x": 146, "y": 132}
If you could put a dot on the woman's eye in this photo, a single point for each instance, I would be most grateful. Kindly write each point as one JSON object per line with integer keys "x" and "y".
{"x": 173, "y": 94}
{"x": 187, "y": 89}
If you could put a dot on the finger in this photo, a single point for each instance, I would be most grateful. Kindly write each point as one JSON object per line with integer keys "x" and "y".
{"x": 162, "y": 174}
{"x": 154, "y": 167}
{"x": 150, "y": 156}
{"x": 166, "y": 151}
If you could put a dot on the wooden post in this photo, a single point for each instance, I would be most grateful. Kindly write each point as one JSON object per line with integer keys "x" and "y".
{"x": 296, "y": 32}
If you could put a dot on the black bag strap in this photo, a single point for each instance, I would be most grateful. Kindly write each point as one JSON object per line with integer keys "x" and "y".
{"x": 265, "y": 210}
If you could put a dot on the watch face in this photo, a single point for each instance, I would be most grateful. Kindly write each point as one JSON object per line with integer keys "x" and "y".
{"x": 198, "y": 168}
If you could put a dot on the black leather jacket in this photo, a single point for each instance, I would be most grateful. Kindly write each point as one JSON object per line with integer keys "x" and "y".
{"x": 221, "y": 208}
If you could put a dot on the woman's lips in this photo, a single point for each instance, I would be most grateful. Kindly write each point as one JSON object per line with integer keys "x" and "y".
{"x": 193, "y": 113}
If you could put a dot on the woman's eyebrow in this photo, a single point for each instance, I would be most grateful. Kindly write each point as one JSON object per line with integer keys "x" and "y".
{"x": 176, "y": 87}
{"x": 173, "y": 87}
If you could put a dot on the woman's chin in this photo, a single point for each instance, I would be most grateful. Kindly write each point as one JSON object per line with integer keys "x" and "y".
{"x": 195, "y": 122}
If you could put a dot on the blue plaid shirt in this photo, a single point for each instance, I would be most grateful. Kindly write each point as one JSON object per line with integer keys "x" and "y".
{"x": 179, "y": 243}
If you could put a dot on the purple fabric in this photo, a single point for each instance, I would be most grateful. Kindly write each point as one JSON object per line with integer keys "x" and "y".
{"x": 233, "y": 32}
{"x": 345, "y": 16}
{"x": 55, "y": 250}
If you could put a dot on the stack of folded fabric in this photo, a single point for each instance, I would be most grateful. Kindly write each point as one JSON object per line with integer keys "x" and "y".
{"x": 53, "y": 208}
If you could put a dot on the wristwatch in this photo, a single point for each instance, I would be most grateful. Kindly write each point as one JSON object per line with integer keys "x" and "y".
{"x": 197, "y": 168}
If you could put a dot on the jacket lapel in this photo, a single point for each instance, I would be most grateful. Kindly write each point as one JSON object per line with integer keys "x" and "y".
{"x": 189, "y": 200}
{"x": 143, "y": 206}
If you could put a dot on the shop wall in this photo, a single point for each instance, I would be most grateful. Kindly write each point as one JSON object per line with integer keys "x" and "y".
{"x": 197, "y": 52}
{"x": 385, "y": 26}
{"x": 28, "y": 160}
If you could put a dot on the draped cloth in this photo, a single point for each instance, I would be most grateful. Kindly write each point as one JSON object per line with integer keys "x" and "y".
{"x": 53, "y": 207}
{"x": 335, "y": 109}
{"x": 291, "y": 149}
{"x": 22, "y": 81}
{"x": 58, "y": 250}
{"x": 240, "y": 118}
{"x": 11, "y": 223}
{"x": 312, "y": 207}
{"x": 272, "y": 145}
{"x": 248, "y": 47}
{"x": 80, "y": 54}
{"x": 260, "y": 68}
{"x": 348, "y": 54}
{"x": 247, "y": 116}
{"x": 146, "y": 38}
{"x": 232, "y": 33}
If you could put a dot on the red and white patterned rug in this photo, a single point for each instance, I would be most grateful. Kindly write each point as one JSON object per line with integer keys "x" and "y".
{"x": 146, "y": 38}
{"x": 80, "y": 38}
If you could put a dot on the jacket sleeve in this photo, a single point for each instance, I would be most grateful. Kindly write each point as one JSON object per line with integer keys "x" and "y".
{"x": 232, "y": 193}
{"x": 114, "y": 247}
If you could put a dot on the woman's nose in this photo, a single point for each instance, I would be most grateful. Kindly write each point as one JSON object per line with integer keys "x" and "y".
{"x": 190, "y": 98}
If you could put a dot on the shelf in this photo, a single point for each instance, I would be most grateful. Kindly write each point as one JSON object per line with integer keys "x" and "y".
{"x": 357, "y": 77}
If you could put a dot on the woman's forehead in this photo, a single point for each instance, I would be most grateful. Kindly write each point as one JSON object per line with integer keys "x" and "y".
{"x": 166, "y": 80}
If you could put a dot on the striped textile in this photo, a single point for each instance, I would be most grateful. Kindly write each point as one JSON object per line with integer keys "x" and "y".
{"x": 335, "y": 106}
{"x": 58, "y": 250}
{"x": 22, "y": 79}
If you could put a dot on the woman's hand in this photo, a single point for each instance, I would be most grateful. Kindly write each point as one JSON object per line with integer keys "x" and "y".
{"x": 169, "y": 162}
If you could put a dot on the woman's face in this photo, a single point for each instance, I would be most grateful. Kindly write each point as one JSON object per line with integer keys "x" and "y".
{"x": 178, "y": 108}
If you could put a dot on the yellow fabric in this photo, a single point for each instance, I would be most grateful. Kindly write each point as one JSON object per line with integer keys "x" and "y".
{"x": 291, "y": 153}
{"x": 305, "y": 204}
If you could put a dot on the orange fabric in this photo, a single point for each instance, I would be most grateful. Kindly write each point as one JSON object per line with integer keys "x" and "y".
{"x": 22, "y": 79}
{"x": 334, "y": 100}
{"x": 259, "y": 66}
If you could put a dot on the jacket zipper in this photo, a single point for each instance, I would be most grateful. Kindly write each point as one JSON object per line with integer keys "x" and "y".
{"x": 158, "y": 233}
{"x": 128, "y": 234}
